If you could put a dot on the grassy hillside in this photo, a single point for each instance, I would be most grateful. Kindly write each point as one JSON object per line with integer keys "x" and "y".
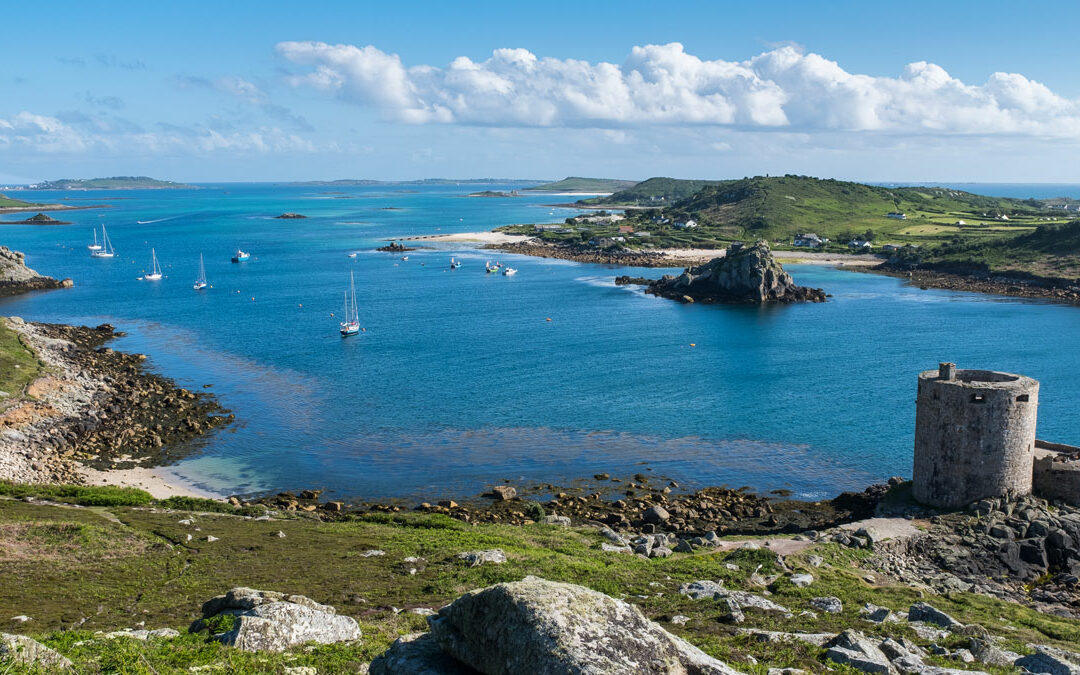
{"x": 18, "y": 365}
{"x": 113, "y": 183}
{"x": 9, "y": 203}
{"x": 113, "y": 565}
{"x": 1049, "y": 250}
{"x": 655, "y": 192}
{"x": 578, "y": 184}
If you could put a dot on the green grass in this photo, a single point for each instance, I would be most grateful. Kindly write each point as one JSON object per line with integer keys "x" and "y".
{"x": 7, "y": 202}
{"x": 18, "y": 365}
{"x": 78, "y": 571}
{"x": 82, "y": 495}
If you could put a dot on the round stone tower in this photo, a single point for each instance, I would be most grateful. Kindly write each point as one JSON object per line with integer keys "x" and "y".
{"x": 974, "y": 435}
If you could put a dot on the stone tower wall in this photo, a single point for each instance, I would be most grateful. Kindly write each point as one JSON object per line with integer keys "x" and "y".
{"x": 974, "y": 435}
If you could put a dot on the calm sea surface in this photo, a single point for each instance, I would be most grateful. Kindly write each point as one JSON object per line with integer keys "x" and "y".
{"x": 460, "y": 380}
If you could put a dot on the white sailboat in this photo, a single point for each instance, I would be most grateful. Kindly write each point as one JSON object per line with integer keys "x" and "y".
{"x": 95, "y": 246}
{"x": 351, "y": 324}
{"x": 106, "y": 250}
{"x": 155, "y": 268}
{"x": 200, "y": 282}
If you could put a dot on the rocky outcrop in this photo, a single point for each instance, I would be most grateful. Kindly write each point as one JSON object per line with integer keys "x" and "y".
{"x": 395, "y": 247}
{"x": 291, "y": 216}
{"x": 95, "y": 407}
{"x": 747, "y": 274}
{"x": 16, "y": 277}
{"x": 24, "y": 651}
{"x": 544, "y": 627}
{"x": 267, "y": 621}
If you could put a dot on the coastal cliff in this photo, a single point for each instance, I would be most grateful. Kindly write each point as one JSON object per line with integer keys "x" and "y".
{"x": 746, "y": 274}
{"x": 16, "y": 277}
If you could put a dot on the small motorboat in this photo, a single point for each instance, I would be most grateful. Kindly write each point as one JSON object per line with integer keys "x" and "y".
{"x": 454, "y": 264}
{"x": 241, "y": 256}
{"x": 404, "y": 257}
{"x": 352, "y": 255}
{"x": 509, "y": 272}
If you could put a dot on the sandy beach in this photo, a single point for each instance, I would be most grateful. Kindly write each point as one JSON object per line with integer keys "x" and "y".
{"x": 159, "y": 483}
{"x": 470, "y": 237}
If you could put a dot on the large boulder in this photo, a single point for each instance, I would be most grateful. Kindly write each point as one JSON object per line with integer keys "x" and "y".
{"x": 273, "y": 622}
{"x": 747, "y": 274}
{"x": 24, "y": 651}
{"x": 417, "y": 654}
{"x": 544, "y": 627}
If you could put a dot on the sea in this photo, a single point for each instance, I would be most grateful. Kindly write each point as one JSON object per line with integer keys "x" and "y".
{"x": 463, "y": 379}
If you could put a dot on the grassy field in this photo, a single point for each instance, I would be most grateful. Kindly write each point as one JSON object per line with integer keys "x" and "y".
{"x": 9, "y": 203}
{"x": 18, "y": 365}
{"x": 78, "y": 570}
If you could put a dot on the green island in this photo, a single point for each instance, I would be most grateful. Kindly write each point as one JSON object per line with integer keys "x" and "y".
{"x": 940, "y": 227}
{"x": 113, "y": 183}
{"x": 15, "y": 204}
{"x": 578, "y": 184}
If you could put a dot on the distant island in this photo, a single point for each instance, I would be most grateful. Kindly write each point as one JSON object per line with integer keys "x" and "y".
{"x": 494, "y": 193}
{"x": 362, "y": 182}
{"x": 585, "y": 185}
{"x": 114, "y": 183}
{"x": 9, "y": 205}
{"x": 39, "y": 219}
{"x": 291, "y": 216}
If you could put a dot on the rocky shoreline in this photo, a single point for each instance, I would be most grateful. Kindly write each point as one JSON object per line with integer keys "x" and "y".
{"x": 986, "y": 283}
{"x": 94, "y": 407}
{"x": 16, "y": 277}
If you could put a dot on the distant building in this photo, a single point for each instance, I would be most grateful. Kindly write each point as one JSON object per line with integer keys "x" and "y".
{"x": 607, "y": 242}
{"x": 686, "y": 225}
{"x": 860, "y": 245}
{"x": 890, "y": 248}
{"x": 896, "y": 215}
{"x": 959, "y": 223}
{"x": 809, "y": 240}
{"x": 626, "y": 229}
{"x": 1002, "y": 217}
{"x": 660, "y": 220}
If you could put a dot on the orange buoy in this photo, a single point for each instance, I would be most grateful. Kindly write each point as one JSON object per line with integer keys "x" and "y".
{"x": 548, "y": 319}
{"x": 693, "y": 344}
{"x": 253, "y": 298}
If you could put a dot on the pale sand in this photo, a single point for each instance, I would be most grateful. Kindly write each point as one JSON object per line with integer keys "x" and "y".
{"x": 158, "y": 483}
{"x": 480, "y": 237}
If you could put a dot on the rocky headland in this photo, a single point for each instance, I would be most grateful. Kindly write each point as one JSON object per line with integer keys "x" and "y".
{"x": 38, "y": 219}
{"x": 585, "y": 253}
{"x": 94, "y": 407}
{"x": 16, "y": 277}
{"x": 394, "y": 247}
{"x": 746, "y": 274}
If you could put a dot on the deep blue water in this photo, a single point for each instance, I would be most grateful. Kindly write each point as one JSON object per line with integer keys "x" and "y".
{"x": 460, "y": 381}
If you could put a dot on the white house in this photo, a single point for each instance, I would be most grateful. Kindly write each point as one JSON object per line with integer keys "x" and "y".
{"x": 959, "y": 223}
{"x": 896, "y": 215}
{"x": 860, "y": 244}
{"x": 809, "y": 240}
{"x": 687, "y": 225}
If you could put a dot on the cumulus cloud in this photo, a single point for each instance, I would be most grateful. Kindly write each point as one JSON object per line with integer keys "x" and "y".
{"x": 74, "y": 132}
{"x": 784, "y": 88}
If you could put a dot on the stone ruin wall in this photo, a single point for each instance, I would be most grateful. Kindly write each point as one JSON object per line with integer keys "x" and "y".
{"x": 1056, "y": 472}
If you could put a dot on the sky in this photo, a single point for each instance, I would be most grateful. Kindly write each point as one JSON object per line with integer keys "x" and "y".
{"x": 271, "y": 91}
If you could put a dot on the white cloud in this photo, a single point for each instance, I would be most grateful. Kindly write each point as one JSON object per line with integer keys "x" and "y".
{"x": 241, "y": 88}
{"x": 78, "y": 133}
{"x": 783, "y": 88}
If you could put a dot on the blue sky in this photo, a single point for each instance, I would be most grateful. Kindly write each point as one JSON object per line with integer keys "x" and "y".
{"x": 961, "y": 91}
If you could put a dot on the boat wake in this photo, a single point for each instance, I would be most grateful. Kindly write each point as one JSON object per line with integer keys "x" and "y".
{"x": 147, "y": 222}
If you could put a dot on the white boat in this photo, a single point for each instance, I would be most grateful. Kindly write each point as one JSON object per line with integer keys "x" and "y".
{"x": 106, "y": 250}
{"x": 95, "y": 246}
{"x": 155, "y": 268}
{"x": 404, "y": 257}
{"x": 351, "y": 324}
{"x": 454, "y": 264}
{"x": 241, "y": 256}
{"x": 509, "y": 271}
{"x": 200, "y": 282}
{"x": 352, "y": 255}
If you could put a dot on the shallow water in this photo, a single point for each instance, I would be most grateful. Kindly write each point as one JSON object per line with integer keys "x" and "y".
{"x": 460, "y": 381}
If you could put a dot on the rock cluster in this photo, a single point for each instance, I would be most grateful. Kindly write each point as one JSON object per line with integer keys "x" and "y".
{"x": 291, "y": 216}
{"x": 748, "y": 274}
{"x": 96, "y": 407}
{"x": 998, "y": 547}
{"x": 267, "y": 621}
{"x": 543, "y": 627}
{"x": 24, "y": 651}
{"x": 585, "y": 253}
{"x": 395, "y": 247}
{"x": 16, "y": 277}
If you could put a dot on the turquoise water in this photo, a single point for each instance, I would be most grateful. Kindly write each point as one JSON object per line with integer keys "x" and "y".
{"x": 460, "y": 381}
